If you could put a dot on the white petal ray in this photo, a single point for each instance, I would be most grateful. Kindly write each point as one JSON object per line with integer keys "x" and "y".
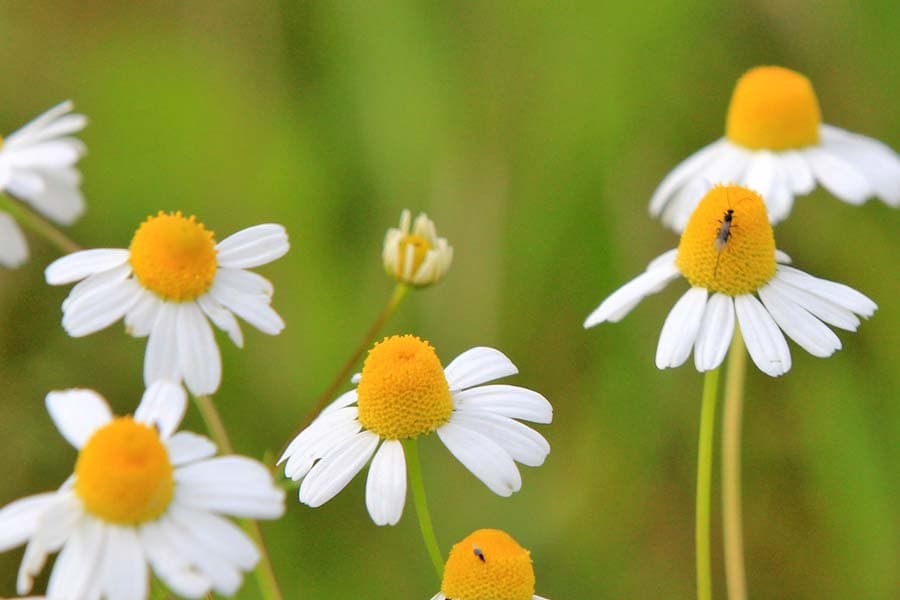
{"x": 332, "y": 474}
{"x": 782, "y": 257}
{"x": 799, "y": 176}
{"x": 78, "y": 265}
{"x": 161, "y": 360}
{"x": 233, "y": 485}
{"x": 386, "y": 484}
{"x": 877, "y": 161}
{"x": 825, "y": 310}
{"x": 764, "y": 341}
{"x": 61, "y": 515}
{"x": 123, "y": 568}
{"x": 185, "y": 447}
{"x": 218, "y": 535}
{"x": 59, "y": 152}
{"x": 657, "y": 276}
{"x": 61, "y": 126}
{"x": 837, "y": 293}
{"x": 198, "y": 353}
{"x": 13, "y": 248}
{"x": 139, "y": 320}
{"x": 224, "y": 319}
{"x": 345, "y": 399}
{"x": 680, "y": 330}
{"x": 91, "y": 313}
{"x": 681, "y": 174}
{"x": 224, "y": 576}
{"x": 78, "y": 564}
{"x": 58, "y": 196}
{"x": 247, "y": 282}
{"x": 716, "y": 332}
{"x": 478, "y": 365}
{"x": 325, "y": 433}
{"x": 253, "y": 308}
{"x": 521, "y": 442}
{"x": 163, "y": 406}
{"x": 837, "y": 176}
{"x": 253, "y": 246}
{"x": 39, "y": 124}
{"x": 99, "y": 284}
{"x": 19, "y": 519}
{"x": 802, "y": 327}
{"x": 77, "y": 413}
{"x": 168, "y": 561}
{"x": 505, "y": 400}
{"x": 486, "y": 459}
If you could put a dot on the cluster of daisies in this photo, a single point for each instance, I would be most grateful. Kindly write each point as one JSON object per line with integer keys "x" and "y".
{"x": 148, "y": 500}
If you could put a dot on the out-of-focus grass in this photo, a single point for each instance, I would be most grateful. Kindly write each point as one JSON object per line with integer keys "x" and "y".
{"x": 534, "y": 137}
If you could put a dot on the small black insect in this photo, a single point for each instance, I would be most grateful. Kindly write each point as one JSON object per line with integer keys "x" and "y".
{"x": 478, "y": 553}
{"x": 722, "y": 236}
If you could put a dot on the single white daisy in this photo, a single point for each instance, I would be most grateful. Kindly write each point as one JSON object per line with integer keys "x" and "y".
{"x": 37, "y": 166}
{"x": 775, "y": 143}
{"x": 727, "y": 253}
{"x": 402, "y": 393}
{"x": 488, "y": 564}
{"x": 142, "y": 494}
{"x": 166, "y": 284}
{"x": 416, "y": 256}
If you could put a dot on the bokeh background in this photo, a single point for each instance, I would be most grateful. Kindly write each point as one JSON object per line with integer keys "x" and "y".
{"x": 534, "y": 135}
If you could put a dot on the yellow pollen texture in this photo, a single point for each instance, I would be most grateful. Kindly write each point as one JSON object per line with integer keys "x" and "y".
{"x": 123, "y": 474}
{"x": 733, "y": 258}
{"x": 420, "y": 247}
{"x": 505, "y": 573}
{"x": 402, "y": 391}
{"x": 174, "y": 256}
{"x": 773, "y": 108}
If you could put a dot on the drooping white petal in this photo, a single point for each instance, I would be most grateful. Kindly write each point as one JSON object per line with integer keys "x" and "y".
{"x": 478, "y": 365}
{"x": 486, "y": 459}
{"x": 98, "y": 284}
{"x": 186, "y": 447}
{"x": 218, "y": 535}
{"x": 19, "y": 519}
{"x": 345, "y": 399}
{"x": 802, "y": 327}
{"x": 223, "y": 318}
{"x": 39, "y": 124}
{"x": 505, "y": 400}
{"x": 253, "y": 246}
{"x": 522, "y": 443}
{"x": 198, "y": 353}
{"x": 834, "y": 292}
{"x": 679, "y": 332}
{"x": 162, "y": 406}
{"x": 170, "y": 564}
{"x": 60, "y": 126}
{"x": 59, "y": 197}
{"x": 716, "y": 331}
{"x": 92, "y": 312}
{"x": 13, "y": 249}
{"x": 877, "y": 161}
{"x": 60, "y": 517}
{"x": 124, "y": 571}
{"x": 335, "y": 470}
{"x": 657, "y": 276}
{"x": 764, "y": 341}
{"x": 161, "y": 360}
{"x": 247, "y": 282}
{"x": 797, "y": 172}
{"x": 78, "y": 265}
{"x": 78, "y": 413}
{"x": 325, "y": 433}
{"x": 233, "y": 485}
{"x": 838, "y": 176}
{"x": 77, "y": 566}
{"x": 139, "y": 320}
{"x": 688, "y": 169}
{"x": 253, "y": 308}
{"x": 386, "y": 484}
{"x": 824, "y": 309}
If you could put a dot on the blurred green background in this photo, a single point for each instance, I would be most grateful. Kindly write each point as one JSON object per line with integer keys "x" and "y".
{"x": 534, "y": 135}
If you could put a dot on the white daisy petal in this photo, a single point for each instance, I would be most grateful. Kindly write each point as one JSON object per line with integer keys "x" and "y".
{"x": 877, "y": 161}
{"x": 386, "y": 484}
{"x": 680, "y": 175}
{"x": 59, "y": 152}
{"x": 716, "y": 331}
{"x": 78, "y": 265}
{"x": 825, "y": 310}
{"x": 232, "y": 485}
{"x": 764, "y": 341}
{"x": 762, "y": 173}
{"x": 198, "y": 352}
{"x": 478, "y": 365}
{"x": 253, "y": 246}
{"x": 505, "y": 400}
{"x": 802, "y": 327}
{"x": 253, "y": 308}
{"x": 345, "y": 399}
{"x": 61, "y": 126}
{"x": 486, "y": 459}
{"x": 59, "y": 197}
{"x": 161, "y": 360}
{"x": 19, "y": 519}
{"x": 331, "y": 474}
{"x": 139, "y": 320}
{"x": 92, "y": 312}
{"x": 13, "y": 249}
{"x": 223, "y": 319}
{"x": 247, "y": 282}
{"x": 218, "y": 535}
{"x": 76, "y": 567}
{"x": 38, "y": 125}
{"x": 782, "y": 257}
{"x": 77, "y": 413}
{"x": 658, "y": 274}
{"x": 98, "y": 284}
{"x": 163, "y": 406}
{"x": 837, "y": 293}
{"x": 798, "y": 173}
{"x": 59, "y": 518}
{"x": 166, "y": 557}
{"x": 224, "y": 576}
{"x": 838, "y": 176}
{"x": 186, "y": 447}
{"x": 680, "y": 329}
{"x": 124, "y": 570}
{"x": 325, "y": 433}
{"x": 522, "y": 443}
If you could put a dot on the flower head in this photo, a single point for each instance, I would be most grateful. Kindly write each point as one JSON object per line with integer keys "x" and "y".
{"x": 488, "y": 565}
{"x": 727, "y": 253}
{"x": 142, "y": 494}
{"x": 37, "y": 166}
{"x": 403, "y": 393}
{"x": 776, "y": 143}
{"x": 417, "y": 257}
{"x": 172, "y": 278}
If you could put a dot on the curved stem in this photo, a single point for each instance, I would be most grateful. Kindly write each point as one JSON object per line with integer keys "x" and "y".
{"x": 704, "y": 483}
{"x": 411, "y": 449}
{"x": 732, "y": 531}
{"x": 38, "y": 224}
{"x": 265, "y": 574}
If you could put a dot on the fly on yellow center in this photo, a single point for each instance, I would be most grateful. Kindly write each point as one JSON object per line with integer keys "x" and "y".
{"x": 729, "y": 252}
{"x": 123, "y": 473}
{"x": 412, "y": 251}
{"x": 174, "y": 256}
{"x": 488, "y": 565}
{"x": 773, "y": 108}
{"x": 402, "y": 391}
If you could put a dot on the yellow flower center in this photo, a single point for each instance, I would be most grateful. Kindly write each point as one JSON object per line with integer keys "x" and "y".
{"x": 773, "y": 108}
{"x": 174, "y": 256}
{"x": 402, "y": 391}
{"x": 419, "y": 246}
{"x": 488, "y": 565}
{"x": 728, "y": 245}
{"x": 123, "y": 474}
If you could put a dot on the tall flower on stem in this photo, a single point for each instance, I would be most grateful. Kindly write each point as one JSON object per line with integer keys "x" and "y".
{"x": 171, "y": 279}
{"x": 776, "y": 143}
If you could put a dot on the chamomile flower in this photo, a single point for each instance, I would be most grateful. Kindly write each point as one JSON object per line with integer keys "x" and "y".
{"x": 775, "y": 143}
{"x": 37, "y": 166}
{"x": 416, "y": 256}
{"x": 142, "y": 494}
{"x": 727, "y": 253}
{"x": 172, "y": 278}
{"x": 488, "y": 565}
{"x": 403, "y": 393}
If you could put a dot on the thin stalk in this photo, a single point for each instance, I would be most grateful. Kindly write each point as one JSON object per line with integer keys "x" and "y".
{"x": 704, "y": 484}
{"x": 38, "y": 224}
{"x": 732, "y": 530}
{"x": 265, "y": 574}
{"x": 411, "y": 448}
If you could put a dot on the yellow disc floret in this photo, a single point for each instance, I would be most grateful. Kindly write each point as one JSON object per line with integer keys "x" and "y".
{"x": 773, "y": 108}
{"x": 728, "y": 245}
{"x": 488, "y": 565}
{"x": 413, "y": 249}
{"x": 174, "y": 256}
{"x": 123, "y": 474}
{"x": 402, "y": 392}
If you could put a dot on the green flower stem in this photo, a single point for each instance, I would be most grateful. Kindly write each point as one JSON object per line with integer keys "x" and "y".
{"x": 704, "y": 481}
{"x": 411, "y": 449}
{"x": 265, "y": 574}
{"x": 37, "y": 224}
{"x": 732, "y": 532}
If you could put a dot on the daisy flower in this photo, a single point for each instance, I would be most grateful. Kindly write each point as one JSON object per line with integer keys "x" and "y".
{"x": 775, "y": 143}
{"x": 727, "y": 253}
{"x": 172, "y": 278}
{"x": 416, "y": 257}
{"x": 37, "y": 167}
{"x": 142, "y": 494}
{"x": 488, "y": 564}
{"x": 402, "y": 393}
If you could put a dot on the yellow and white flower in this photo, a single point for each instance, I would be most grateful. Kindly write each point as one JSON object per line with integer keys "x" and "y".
{"x": 142, "y": 494}
{"x": 403, "y": 392}
{"x": 488, "y": 565}
{"x": 172, "y": 278}
{"x": 727, "y": 253}
{"x": 416, "y": 257}
{"x": 37, "y": 166}
{"x": 775, "y": 143}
